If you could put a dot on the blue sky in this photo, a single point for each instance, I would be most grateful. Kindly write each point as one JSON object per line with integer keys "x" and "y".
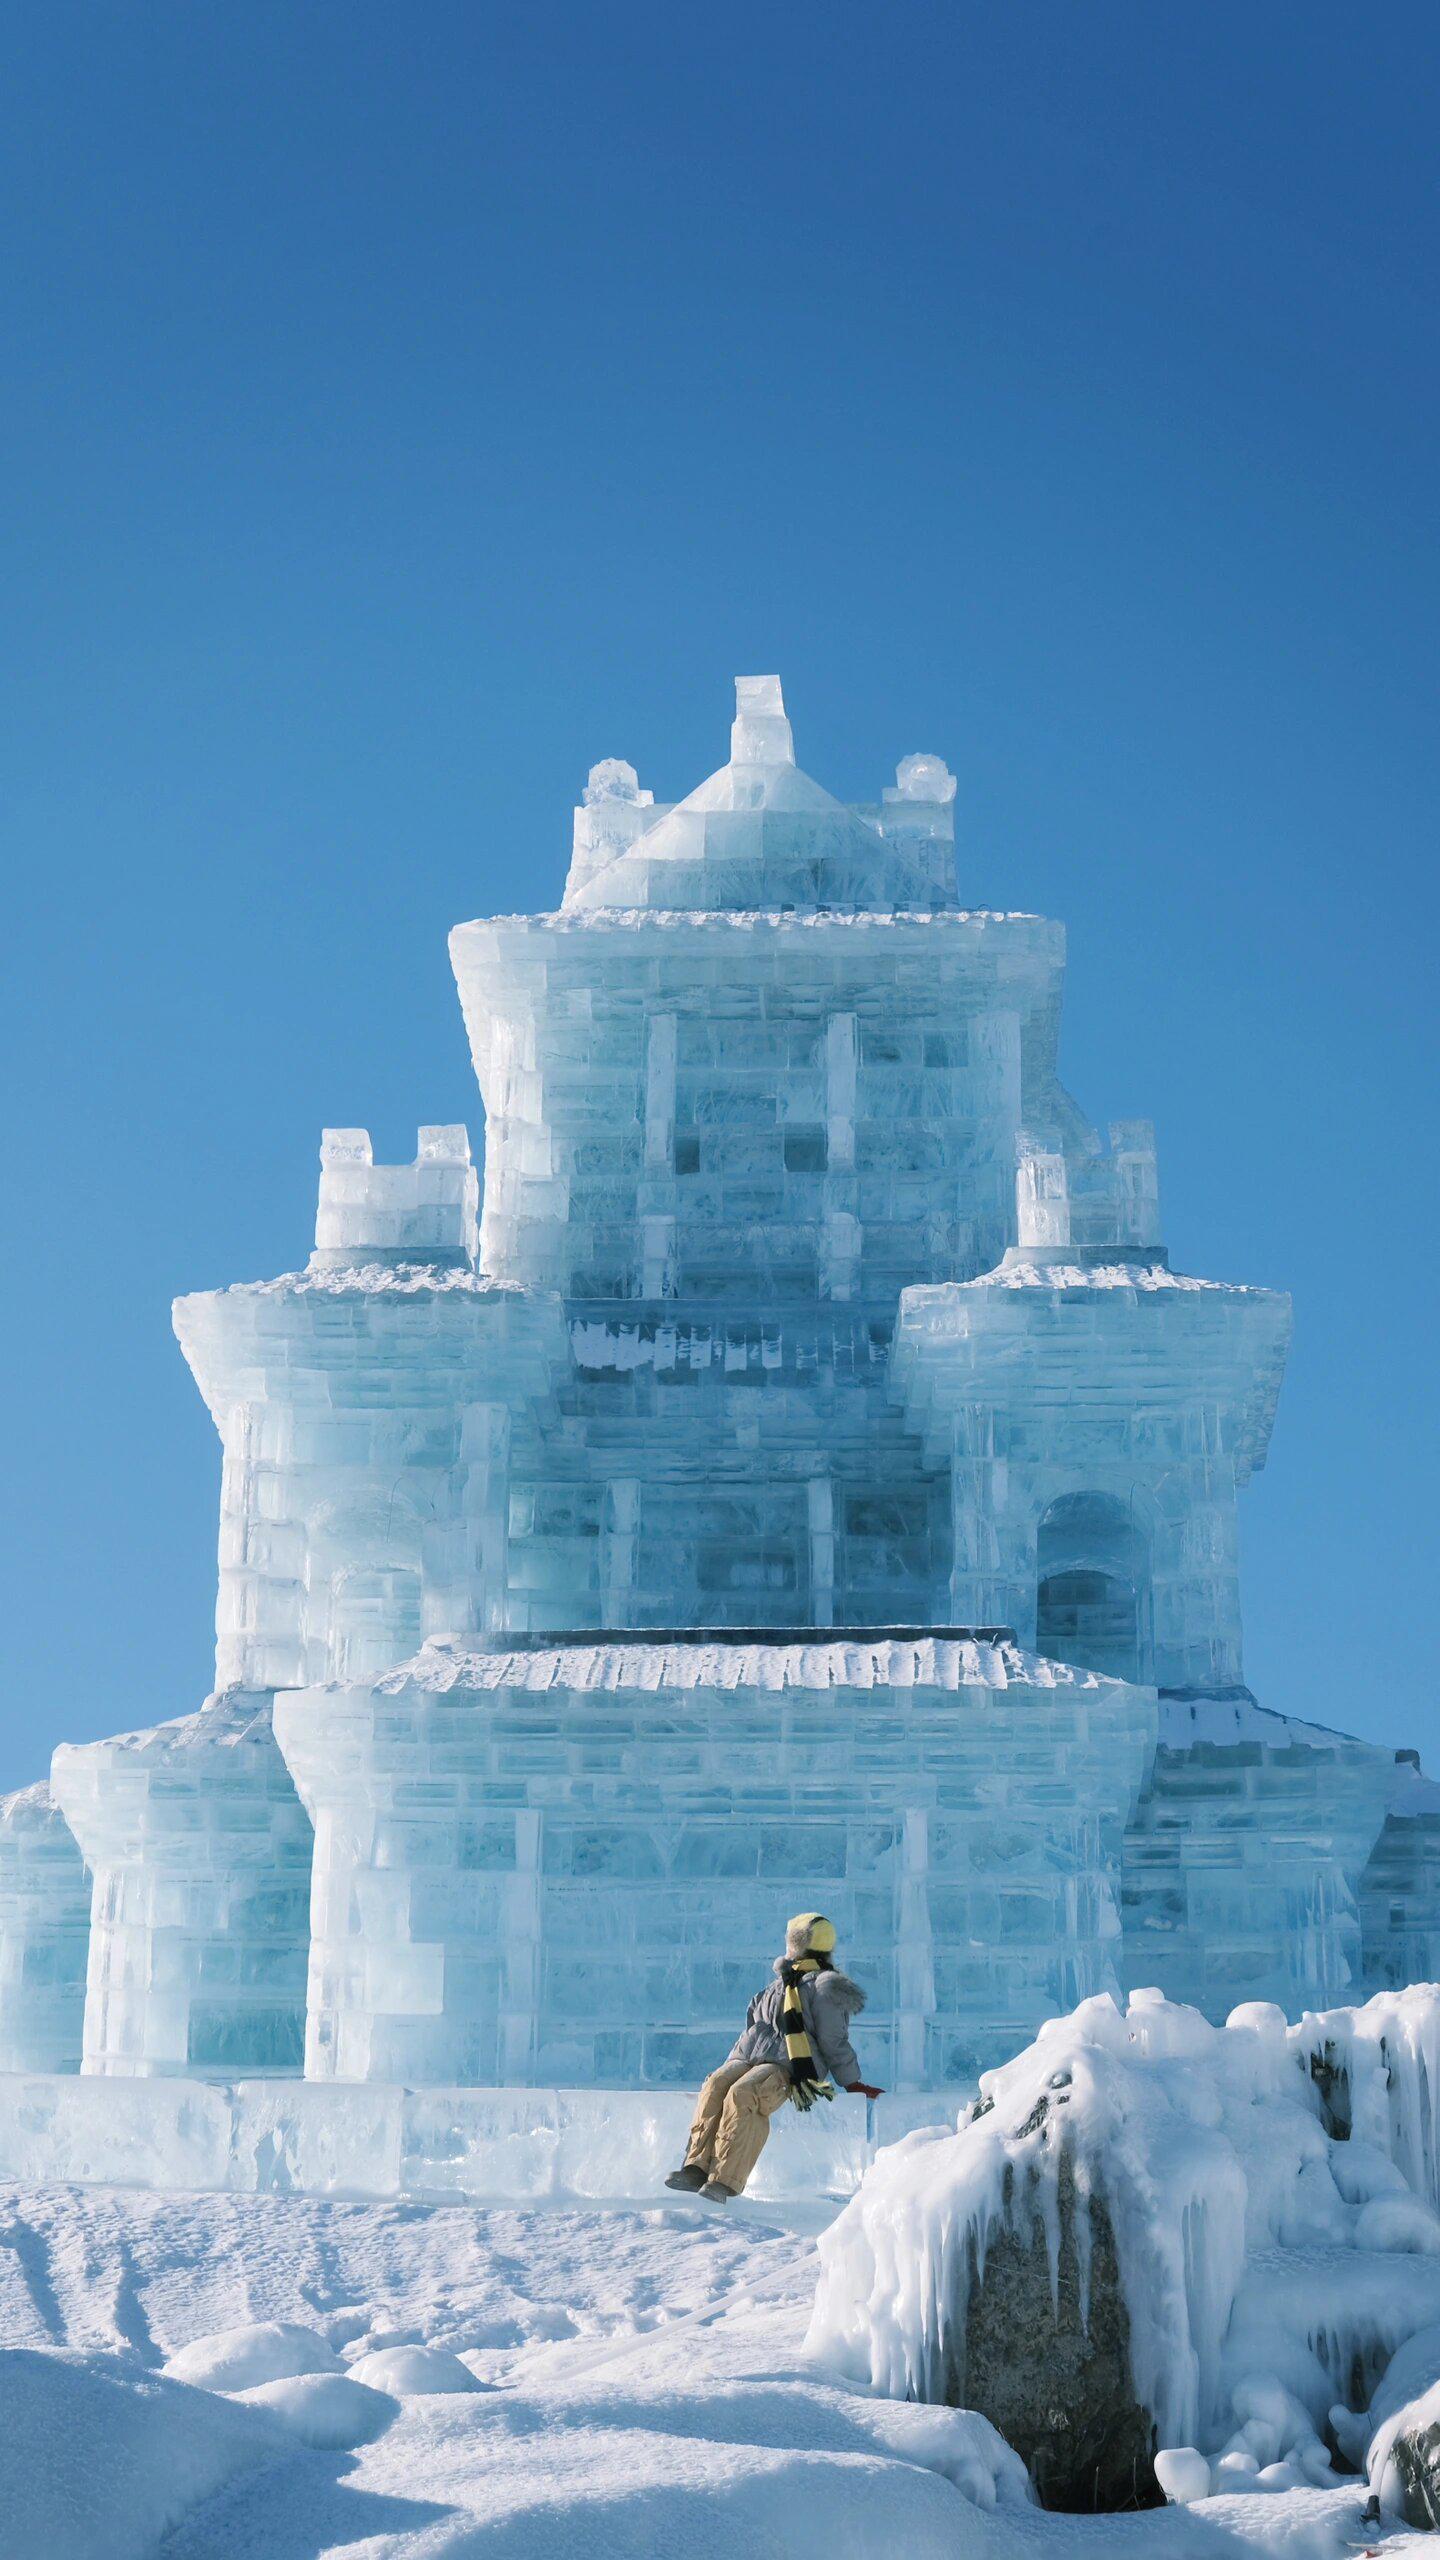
{"x": 404, "y": 408}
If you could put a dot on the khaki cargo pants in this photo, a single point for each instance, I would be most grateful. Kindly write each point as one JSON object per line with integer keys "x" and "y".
{"x": 732, "y": 2119}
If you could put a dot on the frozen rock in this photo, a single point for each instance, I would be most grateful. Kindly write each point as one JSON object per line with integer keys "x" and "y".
{"x": 259, "y": 2351}
{"x": 1138, "y": 2226}
{"x": 1047, "y": 2351}
{"x": 331, "y": 2411}
{"x": 1404, "y": 2462}
{"x": 410, "y": 2370}
{"x": 1407, "y": 2376}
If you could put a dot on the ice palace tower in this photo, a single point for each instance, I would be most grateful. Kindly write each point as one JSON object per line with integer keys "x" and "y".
{"x": 802, "y": 1481}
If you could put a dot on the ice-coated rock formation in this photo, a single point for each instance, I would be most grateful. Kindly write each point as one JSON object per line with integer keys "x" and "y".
{"x": 802, "y": 1478}
{"x": 1149, "y": 2233}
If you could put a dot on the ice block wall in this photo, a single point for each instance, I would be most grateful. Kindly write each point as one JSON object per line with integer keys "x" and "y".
{"x": 575, "y": 1865}
{"x": 1243, "y": 1864}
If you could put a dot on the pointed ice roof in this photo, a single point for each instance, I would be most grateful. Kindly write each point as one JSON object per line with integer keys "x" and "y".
{"x": 756, "y": 834}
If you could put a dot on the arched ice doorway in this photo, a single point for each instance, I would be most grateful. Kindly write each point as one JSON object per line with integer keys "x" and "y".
{"x": 1092, "y": 1601}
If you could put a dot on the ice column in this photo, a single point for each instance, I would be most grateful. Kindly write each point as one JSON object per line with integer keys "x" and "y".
{"x": 842, "y": 1242}
{"x": 657, "y": 1200}
{"x": 820, "y": 1497}
{"x": 44, "y": 1935}
{"x": 200, "y": 1853}
{"x": 622, "y": 1534}
{"x": 915, "y": 2006}
{"x": 1042, "y": 1197}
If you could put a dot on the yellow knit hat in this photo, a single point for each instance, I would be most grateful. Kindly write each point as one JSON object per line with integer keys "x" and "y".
{"x": 810, "y": 1933}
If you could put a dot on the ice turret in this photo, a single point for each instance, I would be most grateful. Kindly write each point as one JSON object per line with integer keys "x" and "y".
{"x": 44, "y": 1935}
{"x": 425, "y": 1212}
{"x": 365, "y": 1405}
{"x": 759, "y": 834}
{"x": 1099, "y": 1414}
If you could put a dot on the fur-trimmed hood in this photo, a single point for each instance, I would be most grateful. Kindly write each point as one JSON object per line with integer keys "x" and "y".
{"x": 840, "y": 1987}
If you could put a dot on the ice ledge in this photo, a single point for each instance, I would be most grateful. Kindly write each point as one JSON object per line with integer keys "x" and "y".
{"x": 369, "y": 1280}
{"x": 747, "y": 1659}
{"x": 437, "y": 2146}
{"x": 594, "y": 919}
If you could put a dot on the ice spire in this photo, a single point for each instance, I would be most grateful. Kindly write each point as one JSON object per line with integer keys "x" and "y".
{"x": 760, "y": 733}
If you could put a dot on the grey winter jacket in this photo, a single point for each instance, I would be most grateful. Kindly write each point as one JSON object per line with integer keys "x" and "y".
{"x": 828, "y": 2001}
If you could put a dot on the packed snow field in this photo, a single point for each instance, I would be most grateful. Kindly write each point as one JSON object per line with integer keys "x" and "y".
{"x": 618, "y": 2382}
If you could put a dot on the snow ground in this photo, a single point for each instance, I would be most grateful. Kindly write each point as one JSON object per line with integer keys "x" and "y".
{"x": 648, "y": 2396}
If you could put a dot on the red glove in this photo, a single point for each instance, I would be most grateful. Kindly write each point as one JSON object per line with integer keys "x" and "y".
{"x": 862, "y": 2089}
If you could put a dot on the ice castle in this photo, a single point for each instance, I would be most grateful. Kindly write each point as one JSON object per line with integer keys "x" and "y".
{"x": 802, "y": 1481}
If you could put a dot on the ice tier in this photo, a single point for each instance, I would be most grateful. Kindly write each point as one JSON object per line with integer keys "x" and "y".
{"x": 803, "y": 1483}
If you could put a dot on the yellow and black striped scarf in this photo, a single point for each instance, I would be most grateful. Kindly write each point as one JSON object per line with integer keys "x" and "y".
{"x": 806, "y": 2083}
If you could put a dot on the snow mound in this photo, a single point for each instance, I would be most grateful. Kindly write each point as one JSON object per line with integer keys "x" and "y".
{"x": 1266, "y": 2268}
{"x": 260, "y": 2351}
{"x": 327, "y": 2410}
{"x": 1183, "y": 2474}
{"x": 410, "y": 2371}
{"x": 99, "y": 2461}
{"x": 958, "y": 2443}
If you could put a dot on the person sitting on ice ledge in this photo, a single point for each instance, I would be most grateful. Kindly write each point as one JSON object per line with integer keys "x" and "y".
{"x": 795, "y": 2030}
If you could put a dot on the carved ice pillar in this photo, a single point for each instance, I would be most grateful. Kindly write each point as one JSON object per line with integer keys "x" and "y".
{"x": 425, "y": 1915}
{"x": 842, "y": 1240}
{"x": 200, "y": 1854}
{"x": 990, "y": 1573}
{"x": 1042, "y": 1197}
{"x": 465, "y": 1544}
{"x": 622, "y": 1535}
{"x": 657, "y": 1198}
{"x": 995, "y": 1057}
{"x": 915, "y": 2005}
{"x": 44, "y": 1935}
{"x": 820, "y": 1502}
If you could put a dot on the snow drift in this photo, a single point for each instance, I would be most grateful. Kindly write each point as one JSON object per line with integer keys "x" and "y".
{"x": 99, "y": 2461}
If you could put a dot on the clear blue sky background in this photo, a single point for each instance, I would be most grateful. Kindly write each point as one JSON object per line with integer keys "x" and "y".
{"x": 404, "y": 407}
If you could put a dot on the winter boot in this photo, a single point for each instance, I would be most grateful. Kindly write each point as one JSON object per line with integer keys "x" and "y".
{"x": 686, "y": 2182}
{"x": 717, "y": 2191}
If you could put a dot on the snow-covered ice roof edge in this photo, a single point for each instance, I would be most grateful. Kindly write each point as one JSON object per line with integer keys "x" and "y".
{"x": 1143, "y": 1273}
{"x": 747, "y": 919}
{"x": 226, "y": 1718}
{"x": 1229, "y": 1720}
{"x": 372, "y": 1280}
{"x": 710, "y": 1662}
